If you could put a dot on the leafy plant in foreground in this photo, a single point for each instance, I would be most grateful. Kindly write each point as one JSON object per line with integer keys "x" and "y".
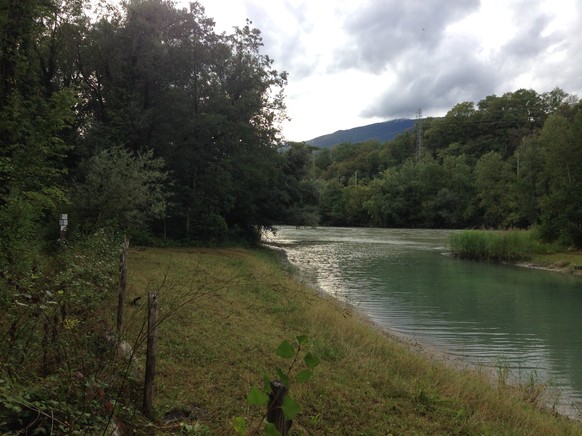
{"x": 266, "y": 396}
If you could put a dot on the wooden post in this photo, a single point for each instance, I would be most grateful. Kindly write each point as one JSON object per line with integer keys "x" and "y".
{"x": 275, "y": 413}
{"x": 122, "y": 285}
{"x": 150, "y": 355}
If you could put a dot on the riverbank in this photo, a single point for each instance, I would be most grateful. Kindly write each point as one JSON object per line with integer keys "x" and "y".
{"x": 566, "y": 262}
{"x": 518, "y": 247}
{"x": 225, "y": 311}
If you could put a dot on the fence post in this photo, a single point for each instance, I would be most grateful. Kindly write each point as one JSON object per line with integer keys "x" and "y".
{"x": 275, "y": 413}
{"x": 122, "y": 285}
{"x": 150, "y": 368}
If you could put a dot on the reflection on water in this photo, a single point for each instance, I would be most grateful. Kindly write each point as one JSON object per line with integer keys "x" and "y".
{"x": 527, "y": 321}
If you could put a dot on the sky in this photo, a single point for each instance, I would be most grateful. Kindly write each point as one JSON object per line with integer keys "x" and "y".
{"x": 357, "y": 62}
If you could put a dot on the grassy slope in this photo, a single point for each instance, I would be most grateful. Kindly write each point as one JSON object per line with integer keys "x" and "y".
{"x": 238, "y": 305}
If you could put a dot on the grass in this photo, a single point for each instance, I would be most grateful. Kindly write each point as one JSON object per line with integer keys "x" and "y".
{"x": 226, "y": 310}
{"x": 515, "y": 246}
{"x": 510, "y": 245}
{"x": 566, "y": 261}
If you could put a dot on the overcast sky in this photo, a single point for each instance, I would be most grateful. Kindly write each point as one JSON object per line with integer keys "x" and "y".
{"x": 356, "y": 62}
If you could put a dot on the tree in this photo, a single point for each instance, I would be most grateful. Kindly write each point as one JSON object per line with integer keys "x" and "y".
{"x": 561, "y": 142}
{"x": 458, "y": 126}
{"x": 33, "y": 140}
{"x": 332, "y": 204}
{"x": 494, "y": 182}
{"x": 298, "y": 189}
{"x": 160, "y": 78}
{"x": 530, "y": 185}
{"x": 120, "y": 189}
{"x": 398, "y": 150}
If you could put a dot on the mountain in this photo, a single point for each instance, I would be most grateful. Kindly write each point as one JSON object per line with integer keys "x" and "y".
{"x": 378, "y": 131}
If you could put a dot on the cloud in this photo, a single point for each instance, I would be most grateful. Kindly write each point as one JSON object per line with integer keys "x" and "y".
{"x": 454, "y": 67}
{"x": 381, "y": 32}
{"x": 359, "y": 61}
{"x": 546, "y": 49}
{"x": 435, "y": 81}
{"x": 287, "y": 28}
{"x": 529, "y": 42}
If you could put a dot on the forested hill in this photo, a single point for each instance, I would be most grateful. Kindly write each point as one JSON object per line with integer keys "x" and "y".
{"x": 384, "y": 131}
{"x": 509, "y": 161}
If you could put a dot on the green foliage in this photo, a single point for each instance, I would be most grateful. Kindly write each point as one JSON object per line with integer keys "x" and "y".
{"x": 74, "y": 93}
{"x": 209, "y": 104}
{"x": 31, "y": 175}
{"x": 120, "y": 189}
{"x": 19, "y": 250}
{"x": 260, "y": 396}
{"x": 285, "y": 350}
{"x": 59, "y": 373}
{"x": 561, "y": 148}
{"x": 509, "y": 246}
{"x": 34, "y": 119}
{"x": 290, "y": 407}
{"x": 494, "y": 180}
{"x": 86, "y": 270}
{"x": 257, "y": 397}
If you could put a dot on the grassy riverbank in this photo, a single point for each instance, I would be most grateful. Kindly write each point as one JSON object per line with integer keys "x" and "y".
{"x": 227, "y": 310}
{"x": 510, "y": 246}
{"x": 514, "y": 246}
{"x": 561, "y": 261}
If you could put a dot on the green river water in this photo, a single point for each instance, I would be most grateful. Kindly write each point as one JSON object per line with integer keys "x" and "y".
{"x": 517, "y": 321}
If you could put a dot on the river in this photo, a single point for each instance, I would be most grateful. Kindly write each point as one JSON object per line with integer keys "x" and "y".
{"x": 520, "y": 322}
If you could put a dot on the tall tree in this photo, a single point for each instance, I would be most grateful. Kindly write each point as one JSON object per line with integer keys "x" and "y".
{"x": 561, "y": 140}
{"x": 494, "y": 183}
{"x": 34, "y": 120}
{"x": 161, "y": 78}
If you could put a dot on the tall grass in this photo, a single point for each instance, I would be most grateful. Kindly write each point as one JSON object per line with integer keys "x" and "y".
{"x": 510, "y": 245}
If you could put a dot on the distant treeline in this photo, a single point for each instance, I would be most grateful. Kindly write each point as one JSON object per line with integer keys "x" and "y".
{"x": 510, "y": 161}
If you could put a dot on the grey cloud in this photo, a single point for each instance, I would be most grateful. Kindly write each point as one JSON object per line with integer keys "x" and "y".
{"x": 452, "y": 72}
{"x": 381, "y": 31}
{"x": 435, "y": 84}
{"x": 530, "y": 50}
{"x": 529, "y": 41}
{"x": 285, "y": 49}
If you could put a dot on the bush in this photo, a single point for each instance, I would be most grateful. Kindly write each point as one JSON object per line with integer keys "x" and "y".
{"x": 19, "y": 245}
{"x": 58, "y": 372}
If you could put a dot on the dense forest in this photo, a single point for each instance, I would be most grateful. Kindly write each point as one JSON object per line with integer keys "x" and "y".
{"x": 510, "y": 161}
{"x": 143, "y": 119}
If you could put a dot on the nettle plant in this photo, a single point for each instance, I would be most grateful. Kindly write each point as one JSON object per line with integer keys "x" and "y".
{"x": 274, "y": 396}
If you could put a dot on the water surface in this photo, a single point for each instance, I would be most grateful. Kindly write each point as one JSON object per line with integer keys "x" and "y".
{"x": 505, "y": 317}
